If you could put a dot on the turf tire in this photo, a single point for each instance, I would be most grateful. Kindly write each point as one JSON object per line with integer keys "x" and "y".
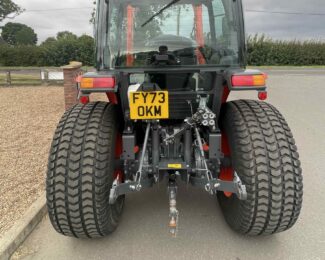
{"x": 81, "y": 172}
{"x": 264, "y": 155}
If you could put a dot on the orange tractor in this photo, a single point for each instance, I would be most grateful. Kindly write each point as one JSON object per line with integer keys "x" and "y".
{"x": 167, "y": 68}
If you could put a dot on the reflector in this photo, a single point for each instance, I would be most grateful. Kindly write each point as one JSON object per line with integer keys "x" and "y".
{"x": 84, "y": 100}
{"x": 262, "y": 95}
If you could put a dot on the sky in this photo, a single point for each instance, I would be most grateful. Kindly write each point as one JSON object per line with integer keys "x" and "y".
{"x": 76, "y": 14}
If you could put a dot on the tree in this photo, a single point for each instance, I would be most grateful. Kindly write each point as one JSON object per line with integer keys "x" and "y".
{"x": 67, "y": 47}
{"x": 2, "y": 41}
{"x": 18, "y": 34}
{"x": 152, "y": 29}
{"x": 8, "y": 7}
{"x": 66, "y": 35}
{"x": 93, "y": 13}
{"x": 86, "y": 48}
{"x": 48, "y": 41}
{"x": 26, "y": 36}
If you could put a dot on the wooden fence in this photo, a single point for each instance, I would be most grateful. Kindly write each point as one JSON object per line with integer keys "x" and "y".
{"x": 30, "y": 77}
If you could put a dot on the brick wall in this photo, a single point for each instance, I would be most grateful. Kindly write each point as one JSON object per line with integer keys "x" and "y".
{"x": 70, "y": 73}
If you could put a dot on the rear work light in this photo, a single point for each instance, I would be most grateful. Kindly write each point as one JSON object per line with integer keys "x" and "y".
{"x": 248, "y": 80}
{"x": 93, "y": 83}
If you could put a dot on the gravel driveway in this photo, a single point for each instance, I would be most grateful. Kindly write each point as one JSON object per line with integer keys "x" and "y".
{"x": 28, "y": 117}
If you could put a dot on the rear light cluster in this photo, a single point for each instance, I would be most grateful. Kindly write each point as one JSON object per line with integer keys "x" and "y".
{"x": 255, "y": 81}
{"x": 89, "y": 83}
{"x": 248, "y": 80}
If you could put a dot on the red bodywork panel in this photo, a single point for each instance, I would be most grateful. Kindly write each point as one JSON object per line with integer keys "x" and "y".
{"x": 226, "y": 174}
{"x": 112, "y": 98}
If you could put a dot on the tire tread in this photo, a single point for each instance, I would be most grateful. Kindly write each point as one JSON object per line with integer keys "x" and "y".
{"x": 265, "y": 157}
{"x": 80, "y": 172}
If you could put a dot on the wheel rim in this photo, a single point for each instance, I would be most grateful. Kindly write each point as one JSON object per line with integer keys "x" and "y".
{"x": 226, "y": 173}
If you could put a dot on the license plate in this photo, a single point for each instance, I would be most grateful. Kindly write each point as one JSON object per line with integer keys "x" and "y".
{"x": 149, "y": 105}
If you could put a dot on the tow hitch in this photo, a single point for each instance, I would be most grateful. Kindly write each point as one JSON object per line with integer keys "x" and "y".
{"x": 205, "y": 179}
{"x": 173, "y": 212}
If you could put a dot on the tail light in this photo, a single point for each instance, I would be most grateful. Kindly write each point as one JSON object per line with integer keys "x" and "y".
{"x": 248, "y": 80}
{"x": 97, "y": 82}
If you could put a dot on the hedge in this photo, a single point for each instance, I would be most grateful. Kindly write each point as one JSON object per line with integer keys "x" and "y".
{"x": 21, "y": 56}
{"x": 261, "y": 51}
{"x": 52, "y": 53}
{"x": 267, "y": 52}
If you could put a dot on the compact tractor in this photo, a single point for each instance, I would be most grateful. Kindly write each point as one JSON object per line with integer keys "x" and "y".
{"x": 167, "y": 68}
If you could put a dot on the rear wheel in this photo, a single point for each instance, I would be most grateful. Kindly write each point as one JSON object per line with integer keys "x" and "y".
{"x": 81, "y": 172}
{"x": 264, "y": 155}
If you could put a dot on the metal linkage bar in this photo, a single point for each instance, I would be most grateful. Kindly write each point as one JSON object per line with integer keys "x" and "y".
{"x": 209, "y": 187}
{"x": 236, "y": 186}
{"x": 144, "y": 149}
{"x": 128, "y": 187}
{"x": 136, "y": 185}
{"x": 211, "y": 184}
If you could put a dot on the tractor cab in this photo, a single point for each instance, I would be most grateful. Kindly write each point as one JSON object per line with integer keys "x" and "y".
{"x": 184, "y": 47}
{"x": 173, "y": 33}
